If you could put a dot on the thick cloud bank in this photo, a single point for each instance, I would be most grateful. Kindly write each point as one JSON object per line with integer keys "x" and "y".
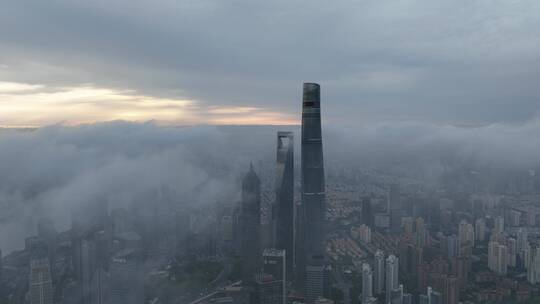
{"x": 514, "y": 146}
{"x": 53, "y": 170}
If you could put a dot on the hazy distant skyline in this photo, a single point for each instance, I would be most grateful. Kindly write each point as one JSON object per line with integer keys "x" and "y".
{"x": 243, "y": 62}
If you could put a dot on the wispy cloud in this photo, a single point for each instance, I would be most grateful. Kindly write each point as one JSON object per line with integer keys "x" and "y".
{"x": 23, "y": 104}
{"x": 15, "y": 87}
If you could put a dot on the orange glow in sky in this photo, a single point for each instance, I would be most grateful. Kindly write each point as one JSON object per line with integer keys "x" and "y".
{"x": 23, "y": 105}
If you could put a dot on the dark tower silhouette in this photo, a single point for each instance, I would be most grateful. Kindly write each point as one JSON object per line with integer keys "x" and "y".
{"x": 394, "y": 209}
{"x": 250, "y": 226}
{"x": 313, "y": 186}
{"x": 367, "y": 212}
{"x": 283, "y": 213}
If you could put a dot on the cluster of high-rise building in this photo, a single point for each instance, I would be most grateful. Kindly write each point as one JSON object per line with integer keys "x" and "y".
{"x": 298, "y": 231}
{"x": 436, "y": 249}
{"x": 380, "y": 283}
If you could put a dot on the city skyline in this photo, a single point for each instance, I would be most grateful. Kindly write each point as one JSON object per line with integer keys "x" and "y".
{"x": 402, "y": 236}
{"x": 269, "y": 152}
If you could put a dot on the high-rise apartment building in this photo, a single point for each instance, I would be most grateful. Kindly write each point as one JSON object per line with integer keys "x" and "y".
{"x": 498, "y": 257}
{"x": 315, "y": 279}
{"x": 480, "y": 229}
{"x": 40, "y": 283}
{"x": 465, "y": 234}
{"x": 367, "y": 283}
{"x": 379, "y": 273}
{"x": 392, "y": 270}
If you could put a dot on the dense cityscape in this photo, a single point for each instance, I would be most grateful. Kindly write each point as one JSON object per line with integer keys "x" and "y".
{"x": 310, "y": 233}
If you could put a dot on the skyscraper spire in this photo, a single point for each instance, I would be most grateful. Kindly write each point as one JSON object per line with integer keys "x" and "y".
{"x": 312, "y": 251}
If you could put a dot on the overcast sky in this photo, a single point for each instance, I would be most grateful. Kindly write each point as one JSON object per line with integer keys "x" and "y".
{"x": 243, "y": 61}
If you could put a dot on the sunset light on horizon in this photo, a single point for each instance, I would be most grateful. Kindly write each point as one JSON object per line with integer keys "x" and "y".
{"x": 36, "y": 105}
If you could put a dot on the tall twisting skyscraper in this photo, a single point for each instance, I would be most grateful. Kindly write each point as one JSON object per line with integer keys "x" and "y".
{"x": 250, "y": 225}
{"x": 283, "y": 211}
{"x": 313, "y": 184}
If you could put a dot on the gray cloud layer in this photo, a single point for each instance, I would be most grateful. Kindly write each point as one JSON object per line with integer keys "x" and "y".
{"x": 53, "y": 170}
{"x": 440, "y": 61}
